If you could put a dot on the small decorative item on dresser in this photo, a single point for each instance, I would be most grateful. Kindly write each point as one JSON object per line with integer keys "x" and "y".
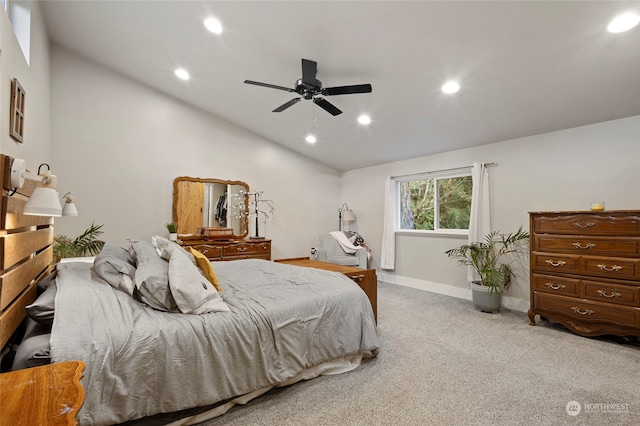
{"x": 172, "y": 227}
{"x": 585, "y": 271}
{"x": 597, "y": 206}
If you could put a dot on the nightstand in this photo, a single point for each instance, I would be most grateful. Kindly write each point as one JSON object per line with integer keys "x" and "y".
{"x": 46, "y": 395}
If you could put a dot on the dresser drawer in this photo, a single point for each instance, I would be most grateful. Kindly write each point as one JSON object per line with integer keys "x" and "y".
{"x": 556, "y": 285}
{"x": 212, "y": 252}
{"x": 555, "y": 262}
{"x": 586, "y": 311}
{"x": 588, "y": 224}
{"x": 612, "y": 293}
{"x": 587, "y": 245}
{"x": 240, "y": 249}
{"x": 612, "y": 267}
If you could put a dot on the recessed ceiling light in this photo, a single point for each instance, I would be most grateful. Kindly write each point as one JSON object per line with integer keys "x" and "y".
{"x": 450, "y": 87}
{"x": 213, "y": 25}
{"x": 310, "y": 139}
{"x": 623, "y": 22}
{"x": 364, "y": 119}
{"x": 182, "y": 74}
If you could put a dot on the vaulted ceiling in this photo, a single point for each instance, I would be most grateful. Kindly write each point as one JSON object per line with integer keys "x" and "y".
{"x": 524, "y": 67}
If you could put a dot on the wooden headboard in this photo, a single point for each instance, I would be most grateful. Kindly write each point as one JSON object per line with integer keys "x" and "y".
{"x": 26, "y": 252}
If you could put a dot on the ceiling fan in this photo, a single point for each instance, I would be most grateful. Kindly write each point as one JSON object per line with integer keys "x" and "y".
{"x": 308, "y": 87}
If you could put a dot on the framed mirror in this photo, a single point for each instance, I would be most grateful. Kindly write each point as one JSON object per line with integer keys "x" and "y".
{"x": 210, "y": 203}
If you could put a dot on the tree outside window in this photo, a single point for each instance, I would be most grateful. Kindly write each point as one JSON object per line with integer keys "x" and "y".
{"x": 438, "y": 203}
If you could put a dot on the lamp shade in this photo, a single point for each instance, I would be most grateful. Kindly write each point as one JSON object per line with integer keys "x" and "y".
{"x": 348, "y": 216}
{"x": 43, "y": 202}
{"x": 69, "y": 209}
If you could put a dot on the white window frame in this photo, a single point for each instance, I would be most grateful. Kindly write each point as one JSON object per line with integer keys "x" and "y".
{"x": 424, "y": 176}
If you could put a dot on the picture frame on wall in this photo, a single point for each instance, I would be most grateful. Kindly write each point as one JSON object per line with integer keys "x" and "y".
{"x": 16, "y": 128}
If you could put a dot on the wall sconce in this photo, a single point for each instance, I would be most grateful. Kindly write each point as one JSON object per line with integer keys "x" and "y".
{"x": 345, "y": 214}
{"x": 44, "y": 201}
{"x": 68, "y": 207}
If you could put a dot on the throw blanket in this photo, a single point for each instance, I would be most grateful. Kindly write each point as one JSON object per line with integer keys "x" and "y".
{"x": 350, "y": 241}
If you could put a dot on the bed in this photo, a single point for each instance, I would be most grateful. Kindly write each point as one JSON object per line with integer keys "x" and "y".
{"x": 268, "y": 324}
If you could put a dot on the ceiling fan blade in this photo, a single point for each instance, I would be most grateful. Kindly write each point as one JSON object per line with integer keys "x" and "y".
{"x": 327, "y": 106}
{"x": 271, "y": 86}
{"x": 287, "y": 105}
{"x": 309, "y": 71}
{"x": 346, "y": 90}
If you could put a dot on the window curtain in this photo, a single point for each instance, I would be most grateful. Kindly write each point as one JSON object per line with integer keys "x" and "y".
{"x": 388, "y": 254}
{"x": 480, "y": 220}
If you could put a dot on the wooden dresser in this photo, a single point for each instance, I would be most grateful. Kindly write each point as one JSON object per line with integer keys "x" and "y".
{"x": 585, "y": 271}
{"x": 231, "y": 249}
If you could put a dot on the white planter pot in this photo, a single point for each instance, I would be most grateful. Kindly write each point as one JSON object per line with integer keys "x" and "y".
{"x": 173, "y": 236}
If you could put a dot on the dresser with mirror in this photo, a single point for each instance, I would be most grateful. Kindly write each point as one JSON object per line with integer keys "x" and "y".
{"x": 211, "y": 217}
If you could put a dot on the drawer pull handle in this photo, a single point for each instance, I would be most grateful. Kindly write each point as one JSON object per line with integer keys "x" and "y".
{"x": 555, "y": 264}
{"x": 582, "y": 312}
{"x": 586, "y": 246}
{"x": 357, "y": 277}
{"x": 613, "y": 268}
{"x": 586, "y": 224}
{"x": 242, "y": 249}
{"x": 205, "y": 251}
{"x": 613, "y": 294}
{"x": 555, "y": 286}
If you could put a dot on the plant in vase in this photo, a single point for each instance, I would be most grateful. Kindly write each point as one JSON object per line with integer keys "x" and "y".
{"x": 484, "y": 257}
{"x": 172, "y": 227}
{"x": 86, "y": 244}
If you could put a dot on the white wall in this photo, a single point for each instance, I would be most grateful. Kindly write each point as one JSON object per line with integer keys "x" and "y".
{"x": 34, "y": 79}
{"x": 562, "y": 170}
{"x": 117, "y": 145}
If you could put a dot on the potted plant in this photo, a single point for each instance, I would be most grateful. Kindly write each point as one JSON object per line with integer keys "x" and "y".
{"x": 172, "y": 227}
{"x": 484, "y": 257}
{"x": 86, "y": 244}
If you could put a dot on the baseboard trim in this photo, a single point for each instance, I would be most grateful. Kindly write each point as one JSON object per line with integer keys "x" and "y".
{"x": 447, "y": 290}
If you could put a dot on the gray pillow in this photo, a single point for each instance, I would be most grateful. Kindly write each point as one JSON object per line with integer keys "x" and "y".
{"x": 151, "y": 278}
{"x": 193, "y": 293}
{"x": 43, "y": 308}
{"x": 113, "y": 264}
{"x": 33, "y": 352}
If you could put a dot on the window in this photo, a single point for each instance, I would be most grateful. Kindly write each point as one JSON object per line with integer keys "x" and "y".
{"x": 435, "y": 202}
{"x": 20, "y": 16}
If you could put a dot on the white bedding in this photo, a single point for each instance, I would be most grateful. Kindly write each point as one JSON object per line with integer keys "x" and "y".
{"x": 284, "y": 320}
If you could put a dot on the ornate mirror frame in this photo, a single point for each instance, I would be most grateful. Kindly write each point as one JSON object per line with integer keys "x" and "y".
{"x": 189, "y": 191}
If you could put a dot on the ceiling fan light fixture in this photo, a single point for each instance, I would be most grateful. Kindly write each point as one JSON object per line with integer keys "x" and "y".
{"x": 623, "y": 22}
{"x": 182, "y": 74}
{"x": 213, "y": 25}
{"x": 450, "y": 87}
{"x": 310, "y": 139}
{"x": 364, "y": 119}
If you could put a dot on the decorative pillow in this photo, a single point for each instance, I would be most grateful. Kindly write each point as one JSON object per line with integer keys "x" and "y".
{"x": 191, "y": 291}
{"x": 205, "y": 266}
{"x": 43, "y": 308}
{"x": 113, "y": 264}
{"x": 151, "y": 278}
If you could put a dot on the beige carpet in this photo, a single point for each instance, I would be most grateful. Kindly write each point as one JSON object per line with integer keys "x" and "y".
{"x": 443, "y": 363}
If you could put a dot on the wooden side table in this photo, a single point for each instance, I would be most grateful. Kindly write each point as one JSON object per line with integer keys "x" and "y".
{"x": 365, "y": 278}
{"x": 42, "y": 396}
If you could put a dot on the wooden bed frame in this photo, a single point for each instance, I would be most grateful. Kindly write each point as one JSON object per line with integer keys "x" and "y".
{"x": 26, "y": 253}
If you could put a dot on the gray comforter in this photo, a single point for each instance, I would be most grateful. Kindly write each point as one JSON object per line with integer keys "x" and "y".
{"x": 139, "y": 361}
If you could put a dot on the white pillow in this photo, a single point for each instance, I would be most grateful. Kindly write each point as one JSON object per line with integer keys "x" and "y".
{"x": 191, "y": 291}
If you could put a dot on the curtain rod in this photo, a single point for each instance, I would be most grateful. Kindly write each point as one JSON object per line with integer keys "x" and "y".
{"x": 443, "y": 170}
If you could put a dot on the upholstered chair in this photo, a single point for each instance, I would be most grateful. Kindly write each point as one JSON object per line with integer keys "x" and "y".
{"x": 331, "y": 251}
